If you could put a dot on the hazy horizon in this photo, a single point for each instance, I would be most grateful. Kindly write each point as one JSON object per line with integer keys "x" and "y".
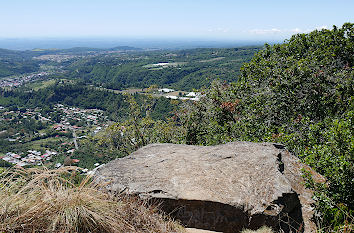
{"x": 212, "y": 20}
{"x": 147, "y": 43}
{"x": 164, "y": 23}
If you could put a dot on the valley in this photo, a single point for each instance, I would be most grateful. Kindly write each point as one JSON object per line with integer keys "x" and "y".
{"x": 83, "y": 108}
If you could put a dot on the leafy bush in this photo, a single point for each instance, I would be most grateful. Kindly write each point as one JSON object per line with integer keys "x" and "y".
{"x": 139, "y": 129}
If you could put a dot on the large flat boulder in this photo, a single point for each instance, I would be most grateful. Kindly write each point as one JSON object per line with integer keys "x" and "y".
{"x": 223, "y": 188}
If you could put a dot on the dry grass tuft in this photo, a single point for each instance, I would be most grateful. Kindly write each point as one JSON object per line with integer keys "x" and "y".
{"x": 260, "y": 230}
{"x": 42, "y": 200}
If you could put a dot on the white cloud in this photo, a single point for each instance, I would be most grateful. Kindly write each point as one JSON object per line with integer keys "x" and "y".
{"x": 265, "y": 31}
{"x": 219, "y": 29}
{"x": 296, "y": 30}
{"x": 277, "y": 31}
{"x": 322, "y": 27}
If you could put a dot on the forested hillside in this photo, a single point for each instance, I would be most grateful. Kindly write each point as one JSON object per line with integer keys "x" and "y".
{"x": 183, "y": 70}
{"x": 15, "y": 62}
{"x": 127, "y": 67}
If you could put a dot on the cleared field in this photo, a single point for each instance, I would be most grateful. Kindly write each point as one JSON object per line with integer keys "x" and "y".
{"x": 41, "y": 84}
{"x": 39, "y": 144}
{"x": 213, "y": 59}
{"x": 126, "y": 91}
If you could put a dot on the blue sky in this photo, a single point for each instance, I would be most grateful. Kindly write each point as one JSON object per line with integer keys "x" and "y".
{"x": 205, "y": 19}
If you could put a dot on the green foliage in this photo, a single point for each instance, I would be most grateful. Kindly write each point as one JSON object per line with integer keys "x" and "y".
{"x": 310, "y": 75}
{"x": 299, "y": 93}
{"x": 89, "y": 153}
{"x": 139, "y": 129}
{"x": 4, "y": 164}
{"x": 336, "y": 138}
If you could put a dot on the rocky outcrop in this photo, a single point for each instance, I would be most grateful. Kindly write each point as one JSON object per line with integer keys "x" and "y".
{"x": 222, "y": 188}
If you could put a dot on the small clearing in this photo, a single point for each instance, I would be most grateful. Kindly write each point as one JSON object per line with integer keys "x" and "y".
{"x": 213, "y": 59}
{"x": 164, "y": 65}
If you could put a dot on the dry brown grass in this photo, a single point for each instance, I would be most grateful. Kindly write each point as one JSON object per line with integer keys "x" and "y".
{"x": 42, "y": 200}
{"x": 260, "y": 230}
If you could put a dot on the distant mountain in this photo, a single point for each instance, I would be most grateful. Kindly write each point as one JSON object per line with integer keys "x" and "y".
{"x": 90, "y": 49}
{"x": 77, "y": 50}
{"x": 41, "y": 51}
{"x": 126, "y": 48}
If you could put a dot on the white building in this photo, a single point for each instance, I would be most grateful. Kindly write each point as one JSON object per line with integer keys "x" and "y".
{"x": 166, "y": 90}
{"x": 191, "y": 94}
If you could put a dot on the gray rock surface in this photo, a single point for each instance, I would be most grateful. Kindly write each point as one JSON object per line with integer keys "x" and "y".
{"x": 224, "y": 188}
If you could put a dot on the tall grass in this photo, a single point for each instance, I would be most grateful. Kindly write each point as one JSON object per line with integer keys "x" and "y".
{"x": 260, "y": 230}
{"x": 42, "y": 200}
